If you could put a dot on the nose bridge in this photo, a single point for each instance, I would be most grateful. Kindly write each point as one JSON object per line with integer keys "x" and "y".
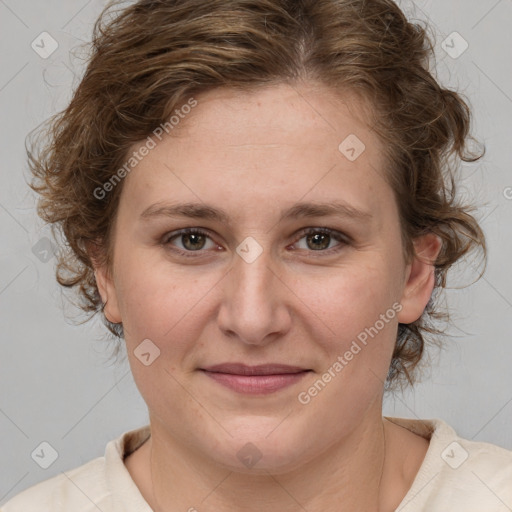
{"x": 253, "y": 280}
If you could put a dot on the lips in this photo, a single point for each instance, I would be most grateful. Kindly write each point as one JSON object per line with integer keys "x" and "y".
{"x": 255, "y": 380}
{"x": 262, "y": 369}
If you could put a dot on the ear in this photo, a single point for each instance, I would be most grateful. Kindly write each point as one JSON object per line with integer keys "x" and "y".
{"x": 104, "y": 282}
{"x": 420, "y": 278}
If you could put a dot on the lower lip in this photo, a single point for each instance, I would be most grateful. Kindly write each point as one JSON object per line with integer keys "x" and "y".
{"x": 256, "y": 384}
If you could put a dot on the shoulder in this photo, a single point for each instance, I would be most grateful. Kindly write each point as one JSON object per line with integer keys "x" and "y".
{"x": 103, "y": 483}
{"x": 81, "y": 488}
{"x": 460, "y": 472}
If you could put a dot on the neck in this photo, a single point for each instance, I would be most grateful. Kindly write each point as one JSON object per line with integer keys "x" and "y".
{"x": 360, "y": 472}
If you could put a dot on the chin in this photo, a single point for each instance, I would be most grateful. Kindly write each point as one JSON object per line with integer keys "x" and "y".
{"x": 269, "y": 445}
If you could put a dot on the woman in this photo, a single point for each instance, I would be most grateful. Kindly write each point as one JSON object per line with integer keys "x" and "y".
{"x": 258, "y": 198}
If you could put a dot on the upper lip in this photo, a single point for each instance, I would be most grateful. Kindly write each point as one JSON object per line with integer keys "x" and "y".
{"x": 262, "y": 369}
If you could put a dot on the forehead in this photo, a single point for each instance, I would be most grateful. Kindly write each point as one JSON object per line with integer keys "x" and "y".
{"x": 271, "y": 114}
{"x": 276, "y": 144}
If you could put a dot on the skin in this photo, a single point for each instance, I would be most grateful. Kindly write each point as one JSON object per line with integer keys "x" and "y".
{"x": 253, "y": 155}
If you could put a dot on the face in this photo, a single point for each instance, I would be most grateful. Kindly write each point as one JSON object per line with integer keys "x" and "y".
{"x": 295, "y": 259}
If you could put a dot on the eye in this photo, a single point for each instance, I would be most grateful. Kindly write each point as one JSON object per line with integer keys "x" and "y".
{"x": 320, "y": 239}
{"x": 192, "y": 240}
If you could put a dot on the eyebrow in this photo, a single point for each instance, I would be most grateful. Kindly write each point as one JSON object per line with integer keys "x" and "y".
{"x": 300, "y": 210}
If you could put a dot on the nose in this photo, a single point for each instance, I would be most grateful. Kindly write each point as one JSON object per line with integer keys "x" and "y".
{"x": 255, "y": 306}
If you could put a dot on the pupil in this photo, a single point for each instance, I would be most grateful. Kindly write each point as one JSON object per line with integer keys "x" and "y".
{"x": 317, "y": 238}
{"x": 193, "y": 236}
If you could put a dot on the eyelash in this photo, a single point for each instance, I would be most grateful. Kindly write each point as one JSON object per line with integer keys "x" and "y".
{"x": 340, "y": 237}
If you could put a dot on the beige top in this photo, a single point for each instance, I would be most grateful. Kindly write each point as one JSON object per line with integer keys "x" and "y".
{"x": 456, "y": 475}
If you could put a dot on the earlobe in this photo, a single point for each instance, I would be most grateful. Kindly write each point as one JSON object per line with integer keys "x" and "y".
{"x": 105, "y": 284}
{"x": 420, "y": 278}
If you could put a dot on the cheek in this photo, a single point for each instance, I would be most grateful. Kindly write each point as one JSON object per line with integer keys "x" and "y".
{"x": 351, "y": 305}
{"x": 347, "y": 299}
{"x": 162, "y": 302}
{"x": 360, "y": 310}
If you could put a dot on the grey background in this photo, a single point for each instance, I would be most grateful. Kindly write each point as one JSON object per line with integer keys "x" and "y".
{"x": 56, "y": 381}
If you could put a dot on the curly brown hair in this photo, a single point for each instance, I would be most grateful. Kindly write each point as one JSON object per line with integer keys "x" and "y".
{"x": 148, "y": 58}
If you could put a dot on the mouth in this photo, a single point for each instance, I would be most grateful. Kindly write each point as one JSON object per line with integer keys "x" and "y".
{"x": 255, "y": 380}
